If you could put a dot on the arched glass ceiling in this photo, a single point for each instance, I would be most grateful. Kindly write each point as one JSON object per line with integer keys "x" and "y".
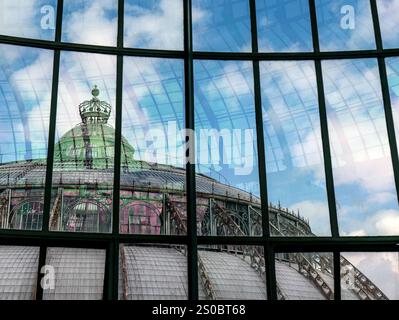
{"x": 284, "y": 26}
{"x": 25, "y": 84}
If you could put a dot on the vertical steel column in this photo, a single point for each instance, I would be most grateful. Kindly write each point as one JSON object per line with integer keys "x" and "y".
{"x": 192, "y": 254}
{"x": 50, "y": 147}
{"x": 112, "y": 257}
{"x": 325, "y": 141}
{"x": 271, "y": 285}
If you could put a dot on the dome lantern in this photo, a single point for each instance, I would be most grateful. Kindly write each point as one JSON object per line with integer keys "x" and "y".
{"x": 95, "y": 110}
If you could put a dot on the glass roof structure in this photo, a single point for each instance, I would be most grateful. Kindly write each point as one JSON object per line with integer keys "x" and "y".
{"x": 152, "y": 143}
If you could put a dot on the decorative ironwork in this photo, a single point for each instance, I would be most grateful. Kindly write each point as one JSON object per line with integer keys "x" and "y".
{"x": 95, "y": 110}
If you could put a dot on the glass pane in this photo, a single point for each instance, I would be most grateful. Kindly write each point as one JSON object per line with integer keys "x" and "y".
{"x": 90, "y": 22}
{"x": 153, "y": 197}
{"x": 84, "y": 150}
{"x": 228, "y": 192}
{"x": 18, "y": 272}
{"x": 345, "y": 25}
{"x": 28, "y": 19}
{"x": 154, "y": 24}
{"x": 221, "y": 25}
{"x": 364, "y": 185}
{"x": 370, "y": 276}
{"x": 74, "y": 274}
{"x": 25, "y": 94}
{"x": 389, "y": 22}
{"x": 392, "y": 66}
{"x": 153, "y": 272}
{"x": 284, "y": 25}
{"x": 305, "y": 276}
{"x": 243, "y": 279}
{"x": 294, "y": 152}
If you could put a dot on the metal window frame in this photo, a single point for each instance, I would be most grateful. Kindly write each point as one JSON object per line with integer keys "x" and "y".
{"x": 110, "y": 242}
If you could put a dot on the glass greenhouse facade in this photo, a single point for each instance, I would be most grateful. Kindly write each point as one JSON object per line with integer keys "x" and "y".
{"x": 198, "y": 149}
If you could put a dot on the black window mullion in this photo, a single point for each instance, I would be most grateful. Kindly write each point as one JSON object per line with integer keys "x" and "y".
{"x": 268, "y": 256}
{"x": 324, "y": 125}
{"x": 326, "y": 144}
{"x": 41, "y": 263}
{"x": 112, "y": 271}
{"x": 50, "y": 150}
{"x": 192, "y": 253}
{"x": 53, "y": 119}
{"x": 337, "y": 274}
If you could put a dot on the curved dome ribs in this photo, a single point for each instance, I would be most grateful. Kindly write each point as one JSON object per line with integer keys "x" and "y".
{"x": 5, "y": 203}
{"x": 175, "y": 215}
{"x": 125, "y": 281}
{"x": 205, "y": 280}
{"x": 55, "y": 214}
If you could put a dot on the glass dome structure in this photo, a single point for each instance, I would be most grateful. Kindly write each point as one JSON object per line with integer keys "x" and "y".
{"x": 195, "y": 134}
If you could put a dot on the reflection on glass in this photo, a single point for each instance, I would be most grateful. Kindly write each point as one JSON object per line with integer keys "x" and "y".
{"x": 284, "y": 25}
{"x": 153, "y": 272}
{"x": 364, "y": 185}
{"x": 25, "y": 81}
{"x": 221, "y": 25}
{"x": 370, "y": 276}
{"x": 152, "y": 166}
{"x": 28, "y": 19}
{"x": 305, "y": 276}
{"x": 154, "y": 24}
{"x": 84, "y": 150}
{"x": 78, "y": 274}
{"x": 392, "y": 67}
{"x": 90, "y": 22}
{"x": 345, "y": 25}
{"x": 389, "y": 22}
{"x": 18, "y": 272}
{"x": 294, "y": 154}
{"x": 243, "y": 279}
{"x": 228, "y": 200}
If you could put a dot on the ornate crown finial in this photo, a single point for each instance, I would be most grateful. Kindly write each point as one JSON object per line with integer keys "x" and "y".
{"x": 94, "y": 110}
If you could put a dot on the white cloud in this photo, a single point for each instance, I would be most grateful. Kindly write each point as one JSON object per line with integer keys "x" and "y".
{"x": 380, "y": 223}
{"x": 357, "y": 233}
{"x": 91, "y": 24}
{"x": 160, "y": 27}
{"x": 375, "y": 176}
{"x": 388, "y": 14}
{"x": 318, "y": 214}
{"x": 386, "y": 222}
{"x": 17, "y": 18}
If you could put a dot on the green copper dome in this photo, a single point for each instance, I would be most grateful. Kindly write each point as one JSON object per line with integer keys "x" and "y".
{"x": 90, "y": 144}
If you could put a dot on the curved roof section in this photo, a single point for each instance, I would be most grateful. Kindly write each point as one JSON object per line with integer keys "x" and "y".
{"x": 237, "y": 281}
{"x": 79, "y": 274}
{"x": 161, "y": 273}
{"x": 18, "y": 272}
{"x": 151, "y": 272}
